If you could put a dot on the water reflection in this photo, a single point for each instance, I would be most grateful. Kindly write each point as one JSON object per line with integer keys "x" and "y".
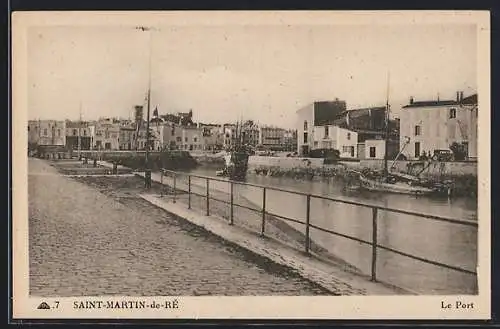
{"x": 444, "y": 242}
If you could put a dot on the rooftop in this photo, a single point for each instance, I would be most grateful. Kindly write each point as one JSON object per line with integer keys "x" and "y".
{"x": 431, "y": 103}
{"x": 469, "y": 100}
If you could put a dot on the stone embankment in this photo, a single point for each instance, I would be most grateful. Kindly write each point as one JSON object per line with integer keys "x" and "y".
{"x": 462, "y": 174}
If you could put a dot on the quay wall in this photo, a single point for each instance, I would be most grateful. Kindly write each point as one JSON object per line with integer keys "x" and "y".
{"x": 463, "y": 174}
{"x": 256, "y": 162}
{"x": 456, "y": 168}
{"x": 437, "y": 169}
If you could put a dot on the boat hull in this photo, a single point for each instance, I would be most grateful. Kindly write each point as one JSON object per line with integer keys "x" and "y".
{"x": 399, "y": 188}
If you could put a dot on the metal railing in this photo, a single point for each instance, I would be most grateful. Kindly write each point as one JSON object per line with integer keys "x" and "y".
{"x": 375, "y": 246}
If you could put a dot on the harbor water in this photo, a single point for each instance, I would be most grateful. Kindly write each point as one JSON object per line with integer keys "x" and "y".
{"x": 439, "y": 241}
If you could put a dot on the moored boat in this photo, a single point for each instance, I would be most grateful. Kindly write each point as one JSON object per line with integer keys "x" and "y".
{"x": 382, "y": 185}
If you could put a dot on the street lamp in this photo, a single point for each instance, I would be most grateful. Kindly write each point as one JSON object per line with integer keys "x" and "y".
{"x": 147, "y": 171}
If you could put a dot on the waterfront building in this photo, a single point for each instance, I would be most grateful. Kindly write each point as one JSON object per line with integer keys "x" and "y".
{"x": 78, "y": 132}
{"x": 47, "y": 132}
{"x": 127, "y": 137}
{"x": 437, "y": 124}
{"x": 105, "y": 134}
{"x": 213, "y": 138}
{"x": 230, "y": 135}
{"x": 250, "y": 133}
{"x": 277, "y": 139}
{"x": 369, "y": 123}
{"x": 315, "y": 114}
{"x": 290, "y": 140}
{"x": 192, "y": 138}
{"x": 334, "y": 137}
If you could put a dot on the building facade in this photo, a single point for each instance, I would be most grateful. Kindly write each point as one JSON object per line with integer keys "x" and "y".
{"x": 78, "y": 135}
{"x": 333, "y": 137}
{"x": 313, "y": 115}
{"x": 192, "y": 138}
{"x": 435, "y": 125}
{"x": 213, "y": 137}
{"x": 126, "y": 140}
{"x": 105, "y": 134}
{"x": 47, "y": 132}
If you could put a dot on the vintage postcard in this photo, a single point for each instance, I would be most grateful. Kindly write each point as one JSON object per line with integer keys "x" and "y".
{"x": 251, "y": 165}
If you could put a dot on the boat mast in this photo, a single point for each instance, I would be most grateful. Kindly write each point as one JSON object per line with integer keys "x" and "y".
{"x": 79, "y": 134}
{"x": 386, "y": 171}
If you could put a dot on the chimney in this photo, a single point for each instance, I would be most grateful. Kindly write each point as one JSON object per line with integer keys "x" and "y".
{"x": 458, "y": 96}
{"x": 411, "y": 100}
{"x": 461, "y": 96}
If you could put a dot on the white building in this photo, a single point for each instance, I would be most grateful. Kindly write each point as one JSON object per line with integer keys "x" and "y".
{"x": 333, "y": 137}
{"x": 317, "y": 114}
{"x": 374, "y": 149}
{"x": 435, "y": 125}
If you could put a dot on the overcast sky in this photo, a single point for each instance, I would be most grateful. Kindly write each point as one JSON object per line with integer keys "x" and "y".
{"x": 224, "y": 73}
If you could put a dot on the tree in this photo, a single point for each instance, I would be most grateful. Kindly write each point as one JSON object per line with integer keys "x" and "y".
{"x": 459, "y": 151}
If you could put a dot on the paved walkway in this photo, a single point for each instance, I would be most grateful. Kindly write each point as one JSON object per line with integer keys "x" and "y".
{"x": 83, "y": 242}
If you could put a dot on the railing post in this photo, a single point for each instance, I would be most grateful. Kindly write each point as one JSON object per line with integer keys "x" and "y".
{"x": 374, "y": 244}
{"x": 263, "y": 211}
{"x": 189, "y": 192}
{"x": 161, "y": 182}
{"x": 175, "y": 185}
{"x": 208, "y": 198}
{"x": 308, "y": 218}
{"x": 231, "y": 216}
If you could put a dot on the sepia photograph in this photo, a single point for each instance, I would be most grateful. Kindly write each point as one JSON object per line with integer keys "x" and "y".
{"x": 288, "y": 156}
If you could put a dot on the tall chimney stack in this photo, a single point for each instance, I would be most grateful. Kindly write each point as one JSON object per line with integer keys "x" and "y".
{"x": 461, "y": 96}
{"x": 458, "y": 96}
{"x": 411, "y": 100}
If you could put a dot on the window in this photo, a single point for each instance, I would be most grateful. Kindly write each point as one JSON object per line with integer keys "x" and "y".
{"x": 417, "y": 149}
{"x": 453, "y": 113}
{"x": 305, "y": 137}
{"x": 28, "y": 128}
{"x": 373, "y": 151}
{"x": 185, "y": 139}
{"x": 107, "y": 146}
{"x": 58, "y": 132}
{"x": 348, "y": 136}
{"x": 305, "y": 125}
{"x": 74, "y": 132}
{"x": 326, "y": 131}
{"x": 45, "y": 131}
{"x": 179, "y": 139}
{"x": 84, "y": 132}
{"x": 195, "y": 139}
{"x": 417, "y": 131}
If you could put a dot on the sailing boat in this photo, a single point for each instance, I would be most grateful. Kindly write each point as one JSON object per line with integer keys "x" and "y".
{"x": 236, "y": 161}
{"x": 392, "y": 182}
